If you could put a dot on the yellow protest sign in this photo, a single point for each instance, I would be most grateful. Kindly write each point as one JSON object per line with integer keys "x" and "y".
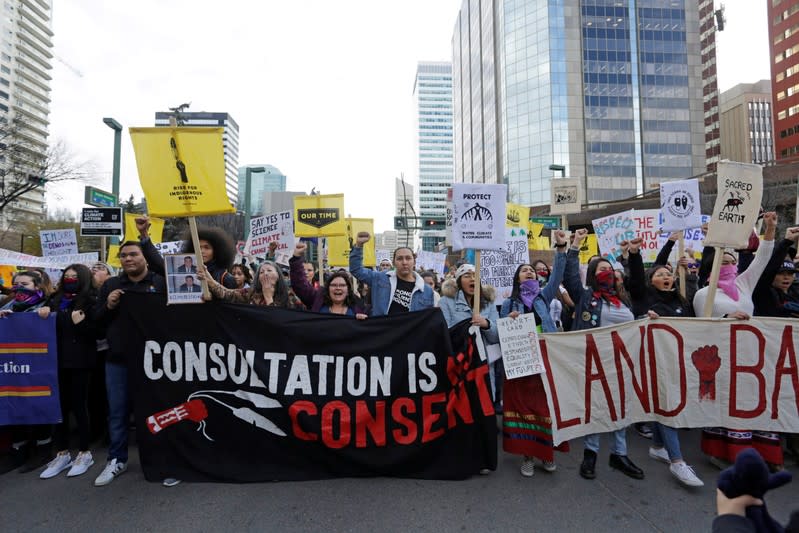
{"x": 338, "y": 248}
{"x": 516, "y": 216}
{"x": 182, "y": 170}
{"x": 319, "y": 215}
{"x": 132, "y": 234}
{"x": 540, "y": 243}
{"x": 589, "y": 248}
{"x": 113, "y": 255}
{"x": 535, "y": 228}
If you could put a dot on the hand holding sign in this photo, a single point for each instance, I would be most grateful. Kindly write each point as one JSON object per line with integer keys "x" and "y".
{"x": 299, "y": 249}
{"x": 362, "y": 238}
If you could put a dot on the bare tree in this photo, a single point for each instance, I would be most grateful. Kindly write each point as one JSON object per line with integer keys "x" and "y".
{"x": 25, "y": 167}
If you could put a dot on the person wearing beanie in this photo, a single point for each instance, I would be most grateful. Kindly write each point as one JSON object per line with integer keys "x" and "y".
{"x": 773, "y": 295}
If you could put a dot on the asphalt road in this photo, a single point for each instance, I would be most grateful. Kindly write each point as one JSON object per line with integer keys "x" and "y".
{"x": 503, "y": 501}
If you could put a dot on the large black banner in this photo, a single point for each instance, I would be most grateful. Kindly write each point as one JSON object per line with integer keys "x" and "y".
{"x": 239, "y": 393}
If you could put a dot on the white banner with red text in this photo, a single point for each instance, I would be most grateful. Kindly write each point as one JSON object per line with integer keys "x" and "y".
{"x": 682, "y": 372}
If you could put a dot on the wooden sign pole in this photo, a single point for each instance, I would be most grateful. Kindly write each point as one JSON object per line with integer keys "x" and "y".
{"x": 322, "y": 261}
{"x": 476, "y": 303}
{"x": 681, "y": 270}
{"x": 714, "y": 282}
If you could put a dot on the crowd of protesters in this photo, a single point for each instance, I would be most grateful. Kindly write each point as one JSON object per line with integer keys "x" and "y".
{"x": 562, "y": 296}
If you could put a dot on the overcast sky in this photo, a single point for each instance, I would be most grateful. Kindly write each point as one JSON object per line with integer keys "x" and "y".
{"x": 322, "y": 90}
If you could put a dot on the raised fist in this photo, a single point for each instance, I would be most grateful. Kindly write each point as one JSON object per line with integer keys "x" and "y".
{"x": 635, "y": 245}
{"x": 792, "y": 234}
{"x": 707, "y": 361}
{"x": 193, "y": 410}
{"x": 560, "y": 236}
{"x": 143, "y": 225}
{"x": 579, "y": 237}
{"x": 362, "y": 238}
{"x": 770, "y": 219}
{"x": 299, "y": 249}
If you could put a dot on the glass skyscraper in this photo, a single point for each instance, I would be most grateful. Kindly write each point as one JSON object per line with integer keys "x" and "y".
{"x": 432, "y": 94}
{"x": 610, "y": 89}
{"x": 270, "y": 180}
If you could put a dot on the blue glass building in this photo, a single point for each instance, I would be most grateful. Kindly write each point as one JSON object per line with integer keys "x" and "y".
{"x": 270, "y": 180}
{"x": 610, "y": 89}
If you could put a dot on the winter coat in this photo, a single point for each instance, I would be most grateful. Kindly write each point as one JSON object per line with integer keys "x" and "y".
{"x": 456, "y": 309}
{"x": 768, "y": 300}
{"x": 544, "y": 298}
{"x": 668, "y": 303}
{"x": 383, "y": 284}
{"x": 77, "y": 343}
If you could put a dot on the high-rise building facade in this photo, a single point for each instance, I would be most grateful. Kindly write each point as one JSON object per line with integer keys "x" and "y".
{"x": 432, "y": 94}
{"x": 783, "y": 37}
{"x": 25, "y": 65}
{"x": 230, "y": 141}
{"x": 610, "y": 90}
{"x": 264, "y": 179}
{"x": 747, "y": 133}
{"x": 710, "y": 85}
{"x": 404, "y": 206}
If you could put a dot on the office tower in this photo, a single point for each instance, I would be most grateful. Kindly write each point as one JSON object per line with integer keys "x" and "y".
{"x": 783, "y": 41}
{"x": 25, "y": 65}
{"x": 264, "y": 179}
{"x": 404, "y": 207}
{"x": 747, "y": 133}
{"x": 230, "y": 141}
{"x": 710, "y": 87}
{"x": 432, "y": 95}
{"x": 610, "y": 90}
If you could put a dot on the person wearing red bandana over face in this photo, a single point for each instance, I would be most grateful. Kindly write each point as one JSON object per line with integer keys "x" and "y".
{"x": 598, "y": 305}
{"x": 77, "y": 355}
{"x": 733, "y": 299}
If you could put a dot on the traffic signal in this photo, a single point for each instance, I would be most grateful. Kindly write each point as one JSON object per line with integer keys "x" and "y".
{"x": 400, "y": 223}
{"x": 434, "y": 223}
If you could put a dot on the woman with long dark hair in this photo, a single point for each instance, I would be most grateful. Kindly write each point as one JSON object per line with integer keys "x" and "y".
{"x": 336, "y": 297}
{"x": 599, "y": 304}
{"x": 77, "y": 355}
{"x": 526, "y": 421}
{"x": 268, "y": 289}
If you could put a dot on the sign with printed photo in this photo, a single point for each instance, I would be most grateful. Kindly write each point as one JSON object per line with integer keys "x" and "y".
{"x": 478, "y": 216}
{"x": 183, "y": 286}
{"x": 740, "y": 191}
{"x": 565, "y": 196}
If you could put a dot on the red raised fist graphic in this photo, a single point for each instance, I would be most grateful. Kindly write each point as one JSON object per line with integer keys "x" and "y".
{"x": 707, "y": 361}
{"x": 193, "y": 410}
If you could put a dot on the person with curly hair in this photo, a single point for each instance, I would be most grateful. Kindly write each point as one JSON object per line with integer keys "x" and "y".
{"x": 216, "y": 248}
{"x": 269, "y": 289}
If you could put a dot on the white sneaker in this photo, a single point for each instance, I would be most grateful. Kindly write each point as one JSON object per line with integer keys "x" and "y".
{"x": 170, "y": 482}
{"x": 549, "y": 466}
{"x": 112, "y": 469}
{"x": 82, "y": 463}
{"x": 685, "y": 474}
{"x": 61, "y": 462}
{"x": 528, "y": 467}
{"x": 659, "y": 454}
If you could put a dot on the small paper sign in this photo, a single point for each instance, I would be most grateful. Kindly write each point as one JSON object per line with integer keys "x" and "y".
{"x": 519, "y": 341}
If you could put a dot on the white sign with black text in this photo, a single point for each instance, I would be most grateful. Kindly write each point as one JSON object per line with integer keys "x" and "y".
{"x": 519, "y": 341}
{"x": 478, "y": 216}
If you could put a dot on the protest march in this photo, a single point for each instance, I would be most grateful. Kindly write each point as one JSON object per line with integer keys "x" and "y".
{"x": 259, "y": 362}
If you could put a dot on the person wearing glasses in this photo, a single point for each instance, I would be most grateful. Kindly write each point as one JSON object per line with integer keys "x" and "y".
{"x": 733, "y": 299}
{"x": 337, "y": 297}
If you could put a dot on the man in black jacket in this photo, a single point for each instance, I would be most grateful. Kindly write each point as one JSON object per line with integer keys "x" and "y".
{"x": 135, "y": 277}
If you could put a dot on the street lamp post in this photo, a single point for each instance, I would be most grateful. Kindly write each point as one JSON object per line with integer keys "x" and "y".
{"x": 248, "y": 197}
{"x": 117, "y": 127}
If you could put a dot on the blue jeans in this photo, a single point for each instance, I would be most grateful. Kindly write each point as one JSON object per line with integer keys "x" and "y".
{"x": 116, "y": 384}
{"x": 666, "y": 437}
{"x": 618, "y": 443}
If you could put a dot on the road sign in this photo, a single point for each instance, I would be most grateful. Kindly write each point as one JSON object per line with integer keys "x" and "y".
{"x": 101, "y": 221}
{"x": 99, "y": 198}
{"x": 548, "y": 222}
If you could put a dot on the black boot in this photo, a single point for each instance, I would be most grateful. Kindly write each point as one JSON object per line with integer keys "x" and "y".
{"x": 39, "y": 456}
{"x": 623, "y": 464}
{"x": 588, "y": 466}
